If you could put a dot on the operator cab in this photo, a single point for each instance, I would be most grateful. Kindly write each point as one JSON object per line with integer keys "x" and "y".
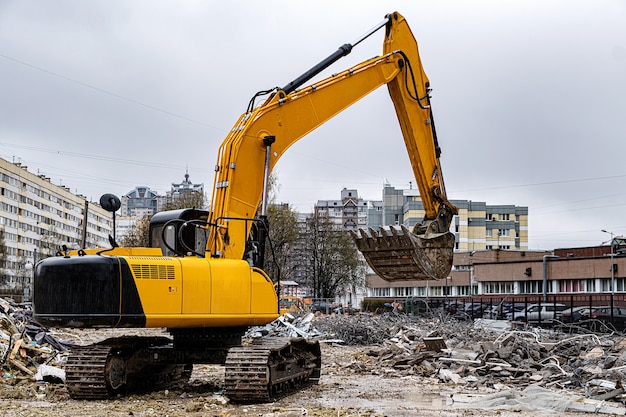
{"x": 179, "y": 232}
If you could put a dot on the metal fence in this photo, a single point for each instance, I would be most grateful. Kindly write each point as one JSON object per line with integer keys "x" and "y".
{"x": 590, "y": 310}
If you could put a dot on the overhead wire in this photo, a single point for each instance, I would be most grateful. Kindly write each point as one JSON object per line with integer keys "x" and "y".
{"x": 104, "y": 91}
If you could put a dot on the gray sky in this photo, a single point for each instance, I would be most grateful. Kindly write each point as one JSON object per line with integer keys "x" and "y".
{"x": 529, "y": 99}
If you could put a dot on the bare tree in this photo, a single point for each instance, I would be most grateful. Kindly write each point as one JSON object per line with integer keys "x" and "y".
{"x": 283, "y": 233}
{"x": 190, "y": 199}
{"x": 138, "y": 235}
{"x": 49, "y": 243}
{"x": 334, "y": 263}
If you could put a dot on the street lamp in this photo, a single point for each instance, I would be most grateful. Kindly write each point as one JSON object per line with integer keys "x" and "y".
{"x": 26, "y": 282}
{"x": 469, "y": 270}
{"x": 612, "y": 267}
{"x": 545, "y": 275}
{"x": 30, "y": 278}
{"x": 612, "y": 273}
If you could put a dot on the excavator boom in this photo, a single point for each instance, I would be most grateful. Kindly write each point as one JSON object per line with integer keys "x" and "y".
{"x": 263, "y": 134}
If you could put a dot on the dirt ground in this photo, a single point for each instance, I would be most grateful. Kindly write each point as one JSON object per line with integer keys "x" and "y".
{"x": 344, "y": 390}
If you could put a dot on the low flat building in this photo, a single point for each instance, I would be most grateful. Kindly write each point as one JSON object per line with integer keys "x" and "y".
{"x": 566, "y": 273}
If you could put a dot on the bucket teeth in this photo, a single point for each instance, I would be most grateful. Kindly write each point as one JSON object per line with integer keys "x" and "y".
{"x": 397, "y": 254}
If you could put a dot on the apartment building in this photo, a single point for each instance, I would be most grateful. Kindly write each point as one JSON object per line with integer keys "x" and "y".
{"x": 38, "y": 218}
{"x": 350, "y": 212}
{"x": 477, "y": 226}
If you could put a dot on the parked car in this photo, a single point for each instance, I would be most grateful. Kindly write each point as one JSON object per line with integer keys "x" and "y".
{"x": 471, "y": 311}
{"x": 539, "y": 313}
{"x": 454, "y": 307}
{"x": 599, "y": 318}
{"x": 573, "y": 314}
{"x": 500, "y": 311}
{"x": 322, "y": 306}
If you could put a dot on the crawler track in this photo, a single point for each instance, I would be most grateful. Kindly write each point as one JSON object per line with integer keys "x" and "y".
{"x": 122, "y": 365}
{"x": 257, "y": 372}
{"x": 85, "y": 372}
{"x": 268, "y": 369}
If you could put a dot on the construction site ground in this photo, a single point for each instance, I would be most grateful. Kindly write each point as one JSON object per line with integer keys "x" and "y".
{"x": 339, "y": 393}
{"x": 378, "y": 366}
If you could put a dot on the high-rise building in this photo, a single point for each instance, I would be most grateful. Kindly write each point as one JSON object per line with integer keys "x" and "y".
{"x": 140, "y": 202}
{"x": 180, "y": 189}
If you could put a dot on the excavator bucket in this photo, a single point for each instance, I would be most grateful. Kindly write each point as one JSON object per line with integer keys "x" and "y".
{"x": 397, "y": 254}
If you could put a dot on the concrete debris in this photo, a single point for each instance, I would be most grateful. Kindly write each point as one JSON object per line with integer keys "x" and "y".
{"x": 494, "y": 325}
{"x": 286, "y": 325}
{"x": 435, "y": 343}
{"x": 487, "y": 356}
{"x": 536, "y": 398}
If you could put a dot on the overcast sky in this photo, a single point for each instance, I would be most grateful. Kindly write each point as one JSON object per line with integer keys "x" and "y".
{"x": 529, "y": 99}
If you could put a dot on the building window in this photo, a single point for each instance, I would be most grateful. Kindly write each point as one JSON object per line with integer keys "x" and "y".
{"x": 498, "y": 288}
{"x": 489, "y": 233}
{"x": 462, "y": 290}
{"x": 435, "y": 291}
{"x": 571, "y": 285}
{"x": 381, "y": 292}
{"x": 532, "y": 287}
{"x": 404, "y": 291}
{"x": 590, "y": 285}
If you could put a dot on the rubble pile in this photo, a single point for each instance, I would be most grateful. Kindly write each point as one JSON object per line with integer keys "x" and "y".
{"x": 484, "y": 356}
{"x": 363, "y": 329}
{"x": 461, "y": 352}
{"x": 28, "y": 352}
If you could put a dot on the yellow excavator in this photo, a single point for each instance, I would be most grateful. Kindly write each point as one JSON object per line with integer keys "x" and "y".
{"x": 201, "y": 276}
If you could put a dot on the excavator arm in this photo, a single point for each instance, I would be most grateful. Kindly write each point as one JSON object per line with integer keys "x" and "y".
{"x": 263, "y": 134}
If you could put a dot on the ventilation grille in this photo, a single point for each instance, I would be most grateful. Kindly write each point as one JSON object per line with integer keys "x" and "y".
{"x": 147, "y": 271}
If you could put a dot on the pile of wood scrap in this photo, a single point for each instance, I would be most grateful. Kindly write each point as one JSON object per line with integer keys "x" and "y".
{"x": 27, "y": 350}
